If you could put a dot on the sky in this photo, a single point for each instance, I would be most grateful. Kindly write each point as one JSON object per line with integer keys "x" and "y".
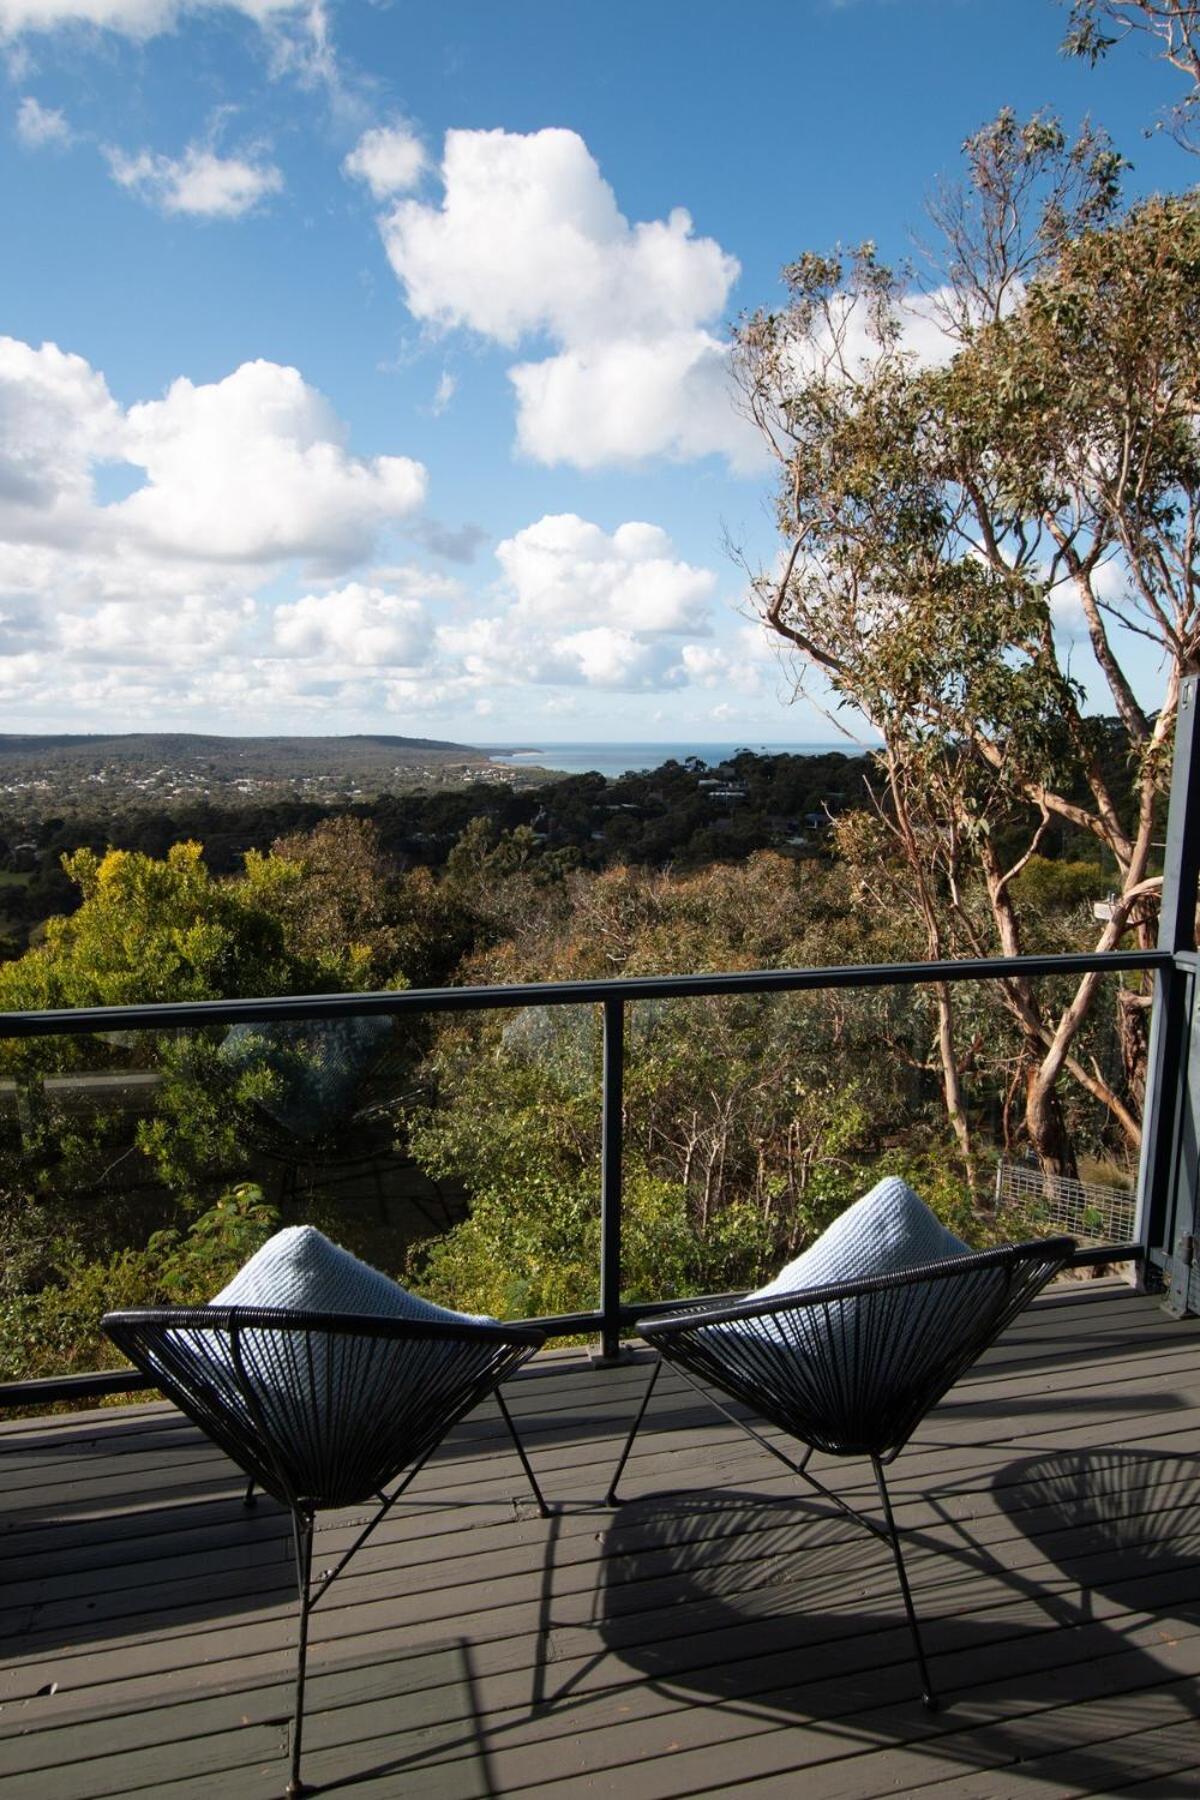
{"x": 363, "y": 366}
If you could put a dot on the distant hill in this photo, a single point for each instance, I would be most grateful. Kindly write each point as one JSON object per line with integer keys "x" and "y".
{"x": 47, "y": 772}
{"x": 137, "y": 746}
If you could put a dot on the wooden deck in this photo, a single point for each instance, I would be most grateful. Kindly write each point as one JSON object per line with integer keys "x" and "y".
{"x": 719, "y": 1633}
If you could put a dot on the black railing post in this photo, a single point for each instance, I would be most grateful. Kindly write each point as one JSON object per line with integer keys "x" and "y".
{"x": 1167, "y": 1176}
{"x": 611, "y": 1133}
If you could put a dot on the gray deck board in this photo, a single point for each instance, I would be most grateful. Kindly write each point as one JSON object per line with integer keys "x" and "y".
{"x": 719, "y": 1632}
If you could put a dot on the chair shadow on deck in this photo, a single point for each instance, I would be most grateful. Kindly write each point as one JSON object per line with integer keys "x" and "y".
{"x": 1134, "y": 1501}
{"x": 777, "y": 1613}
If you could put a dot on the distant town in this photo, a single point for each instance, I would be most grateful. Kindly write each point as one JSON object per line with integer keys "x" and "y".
{"x": 61, "y": 773}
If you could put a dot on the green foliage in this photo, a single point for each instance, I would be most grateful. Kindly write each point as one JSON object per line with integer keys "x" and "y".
{"x": 939, "y": 511}
{"x": 150, "y": 930}
{"x": 409, "y": 920}
{"x": 324, "y": 912}
{"x": 205, "y": 1111}
{"x": 1096, "y": 27}
{"x": 750, "y": 1121}
{"x": 1049, "y": 887}
{"x": 195, "y": 1264}
{"x": 55, "y": 1329}
{"x": 337, "y": 903}
{"x": 536, "y": 1251}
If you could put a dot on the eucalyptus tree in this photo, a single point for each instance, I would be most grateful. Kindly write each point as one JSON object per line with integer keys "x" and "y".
{"x": 1097, "y": 26}
{"x": 972, "y": 473}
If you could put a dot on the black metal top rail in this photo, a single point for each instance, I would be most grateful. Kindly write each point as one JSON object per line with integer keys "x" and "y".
{"x": 171, "y": 1015}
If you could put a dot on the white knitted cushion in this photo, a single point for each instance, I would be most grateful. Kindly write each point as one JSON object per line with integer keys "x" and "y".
{"x": 840, "y": 1370}
{"x": 301, "y": 1270}
{"x": 889, "y": 1229}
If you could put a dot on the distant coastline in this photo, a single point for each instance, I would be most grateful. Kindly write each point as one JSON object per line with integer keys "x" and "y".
{"x": 44, "y": 776}
{"x": 614, "y": 760}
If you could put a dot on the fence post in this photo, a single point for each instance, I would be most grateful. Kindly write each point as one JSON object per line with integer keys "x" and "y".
{"x": 611, "y": 1134}
{"x": 1167, "y": 1175}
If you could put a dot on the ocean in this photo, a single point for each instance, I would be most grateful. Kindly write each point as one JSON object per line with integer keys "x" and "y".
{"x": 622, "y": 759}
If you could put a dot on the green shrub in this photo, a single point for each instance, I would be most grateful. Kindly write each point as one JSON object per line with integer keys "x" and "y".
{"x": 56, "y": 1330}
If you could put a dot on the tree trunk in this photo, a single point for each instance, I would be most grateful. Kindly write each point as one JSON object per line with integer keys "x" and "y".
{"x": 927, "y": 905}
{"x": 1045, "y": 1123}
{"x": 952, "y": 1092}
{"x": 1133, "y": 1031}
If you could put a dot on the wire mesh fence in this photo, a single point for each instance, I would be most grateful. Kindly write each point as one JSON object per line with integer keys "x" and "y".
{"x": 1085, "y": 1209}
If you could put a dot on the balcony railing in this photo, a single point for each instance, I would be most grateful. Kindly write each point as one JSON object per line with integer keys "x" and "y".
{"x": 614, "y": 1313}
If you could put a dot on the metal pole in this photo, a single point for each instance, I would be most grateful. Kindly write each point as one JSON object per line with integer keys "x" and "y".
{"x": 302, "y": 1532}
{"x": 928, "y": 1693}
{"x": 1167, "y": 1178}
{"x": 610, "y": 1178}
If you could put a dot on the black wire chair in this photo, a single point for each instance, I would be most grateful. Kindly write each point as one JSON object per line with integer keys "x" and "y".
{"x": 852, "y": 1370}
{"x": 324, "y": 1409}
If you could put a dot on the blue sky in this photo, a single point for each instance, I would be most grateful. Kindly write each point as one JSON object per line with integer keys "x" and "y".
{"x": 315, "y": 418}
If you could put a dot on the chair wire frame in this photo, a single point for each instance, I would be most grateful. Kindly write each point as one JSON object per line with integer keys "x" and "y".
{"x": 851, "y": 1370}
{"x": 324, "y": 1410}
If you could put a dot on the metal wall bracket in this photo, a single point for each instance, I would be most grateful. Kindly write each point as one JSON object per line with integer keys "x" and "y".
{"x": 1187, "y": 1244}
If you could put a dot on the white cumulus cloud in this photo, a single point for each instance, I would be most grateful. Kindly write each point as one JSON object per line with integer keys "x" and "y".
{"x": 132, "y": 18}
{"x": 627, "y": 398}
{"x": 41, "y": 127}
{"x": 57, "y": 421}
{"x": 528, "y": 241}
{"x": 161, "y": 600}
{"x": 365, "y": 627}
{"x": 189, "y": 633}
{"x": 254, "y": 468}
{"x": 389, "y": 158}
{"x": 584, "y": 607}
{"x": 705, "y": 664}
{"x": 566, "y": 569}
{"x": 607, "y": 658}
{"x": 200, "y": 182}
{"x": 528, "y": 237}
{"x": 239, "y": 474}
{"x": 185, "y": 594}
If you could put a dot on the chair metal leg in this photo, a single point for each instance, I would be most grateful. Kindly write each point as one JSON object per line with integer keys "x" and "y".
{"x": 611, "y": 1499}
{"x": 927, "y": 1693}
{"x": 302, "y": 1530}
{"x": 789, "y": 1462}
{"x": 250, "y": 1498}
{"x": 520, "y": 1449}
